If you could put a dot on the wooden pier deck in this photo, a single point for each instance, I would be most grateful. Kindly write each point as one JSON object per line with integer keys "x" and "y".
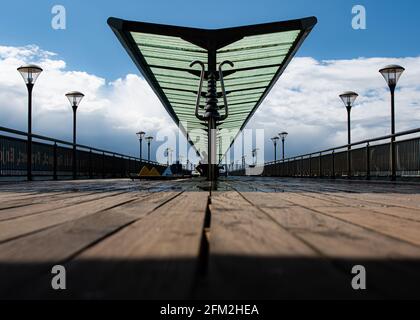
{"x": 252, "y": 238}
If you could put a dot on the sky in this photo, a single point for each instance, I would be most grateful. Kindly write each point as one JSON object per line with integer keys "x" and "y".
{"x": 86, "y": 56}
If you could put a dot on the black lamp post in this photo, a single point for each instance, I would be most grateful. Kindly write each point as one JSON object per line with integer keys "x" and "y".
{"x": 283, "y": 136}
{"x": 392, "y": 74}
{"x": 188, "y": 161}
{"x": 168, "y": 152}
{"x": 255, "y": 156}
{"x": 141, "y": 135}
{"x": 167, "y": 156}
{"x": 275, "y": 140}
{"x": 74, "y": 97}
{"x": 348, "y": 99}
{"x": 29, "y": 74}
{"x": 149, "y": 140}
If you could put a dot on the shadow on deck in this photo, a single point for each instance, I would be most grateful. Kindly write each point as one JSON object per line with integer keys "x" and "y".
{"x": 252, "y": 238}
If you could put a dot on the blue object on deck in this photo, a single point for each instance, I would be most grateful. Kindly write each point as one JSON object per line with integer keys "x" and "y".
{"x": 167, "y": 172}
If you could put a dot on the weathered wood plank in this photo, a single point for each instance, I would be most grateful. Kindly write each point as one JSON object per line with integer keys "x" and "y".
{"x": 68, "y": 239}
{"x": 349, "y": 240}
{"x": 252, "y": 256}
{"x": 349, "y": 245}
{"x": 50, "y": 203}
{"x": 10, "y": 229}
{"x": 337, "y": 200}
{"x": 155, "y": 257}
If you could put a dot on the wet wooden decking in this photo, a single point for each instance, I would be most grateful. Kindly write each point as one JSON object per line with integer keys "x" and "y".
{"x": 263, "y": 238}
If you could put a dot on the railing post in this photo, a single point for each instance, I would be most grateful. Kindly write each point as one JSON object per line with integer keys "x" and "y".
{"x": 393, "y": 160}
{"x": 367, "y": 161}
{"x": 320, "y": 164}
{"x": 55, "y": 162}
{"x": 297, "y": 167}
{"x": 123, "y": 169}
{"x": 349, "y": 162}
{"x": 333, "y": 164}
{"x": 301, "y": 167}
{"x": 90, "y": 164}
{"x": 103, "y": 165}
{"x": 310, "y": 166}
{"x": 113, "y": 166}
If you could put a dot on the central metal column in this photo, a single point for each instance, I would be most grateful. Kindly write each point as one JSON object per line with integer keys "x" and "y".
{"x": 211, "y": 110}
{"x": 212, "y": 116}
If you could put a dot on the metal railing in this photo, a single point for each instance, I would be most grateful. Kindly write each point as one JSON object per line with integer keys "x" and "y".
{"x": 366, "y": 160}
{"x": 54, "y": 158}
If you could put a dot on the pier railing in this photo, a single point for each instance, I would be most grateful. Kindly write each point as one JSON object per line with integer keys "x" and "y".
{"x": 53, "y": 158}
{"x": 364, "y": 159}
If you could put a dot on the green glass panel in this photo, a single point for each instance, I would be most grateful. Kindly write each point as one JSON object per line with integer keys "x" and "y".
{"x": 161, "y": 41}
{"x": 246, "y": 92}
{"x": 185, "y": 81}
{"x": 247, "y": 83}
{"x": 174, "y": 73}
{"x": 262, "y": 41}
{"x": 245, "y": 87}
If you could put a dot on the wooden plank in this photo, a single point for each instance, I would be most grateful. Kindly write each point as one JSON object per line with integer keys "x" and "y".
{"x": 14, "y": 196}
{"x": 50, "y": 203}
{"x": 407, "y": 198}
{"x": 253, "y": 257}
{"x": 40, "y": 251}
{"x": 349, "y": 245}
{"x": 11, "y": 229}
{"x": 403, "y": 229}
{"x": 397, "y": 228}
{"x": 404, "y": 196}
{"x": 338, "y": 200}
{"x": 155, "y": 257}
{"x": 318, "y": 198}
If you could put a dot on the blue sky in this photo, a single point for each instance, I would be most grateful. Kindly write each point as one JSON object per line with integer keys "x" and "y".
{"x": 88, "y": 44}
{"x": 88, "y": 57}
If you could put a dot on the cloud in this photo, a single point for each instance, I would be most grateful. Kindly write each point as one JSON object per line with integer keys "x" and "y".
{"x": 108, "y": 117}
{"x": 304, "y": 102}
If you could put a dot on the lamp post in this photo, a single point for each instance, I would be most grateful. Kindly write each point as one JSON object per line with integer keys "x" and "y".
{"x": 283, "y": 136}
{"x": 168, "y": 152}
{"x": 167, "y": 156}
{"x": 392, "y": 74}
{"x": 140, "y": 136}
{"x": 74, "y": 97}
{"x": 188, "y": 161}
{"x": 29, "y": 74}
{"x": 275, "y": 140}
{"x": 348, "y": 99}
{"x": 149, "y": 140}
{"x": 255, "y": 156}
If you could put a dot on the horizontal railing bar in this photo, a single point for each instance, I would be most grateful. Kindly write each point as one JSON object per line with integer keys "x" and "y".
{"x": 58, "y": 141}
{"x": 399, "y": 134}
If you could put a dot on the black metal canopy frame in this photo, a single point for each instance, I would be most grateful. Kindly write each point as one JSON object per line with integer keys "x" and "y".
{"x": 175, "y": 61}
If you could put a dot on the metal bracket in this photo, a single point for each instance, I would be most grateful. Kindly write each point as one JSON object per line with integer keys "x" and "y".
{"x": 222, "y": 85}
{"x": 200, "y": 88}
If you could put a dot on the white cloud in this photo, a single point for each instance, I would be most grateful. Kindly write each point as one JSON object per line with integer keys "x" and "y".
{"x": 108, "y": 117}
{"x": 304, "y": 102}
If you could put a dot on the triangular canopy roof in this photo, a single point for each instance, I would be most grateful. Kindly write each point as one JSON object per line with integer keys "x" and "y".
{"x": 260, "y": 54}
